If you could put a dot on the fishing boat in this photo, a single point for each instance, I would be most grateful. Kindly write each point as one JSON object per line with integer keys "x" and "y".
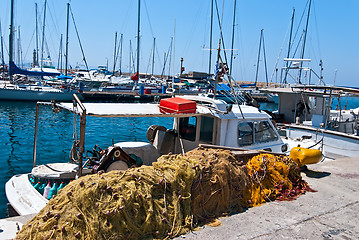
{"x": 197, "y": 120}
{"x": 305, "y": 112}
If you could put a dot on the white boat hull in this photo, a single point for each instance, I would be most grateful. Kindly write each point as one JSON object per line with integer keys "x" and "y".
{"x": 34, "y": 95}
{"x": 22, "y": 196}
{"x": 335, "y": 144}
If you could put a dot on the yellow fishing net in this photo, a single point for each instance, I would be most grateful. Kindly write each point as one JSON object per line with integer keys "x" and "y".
{"x": 266, "y": 171}
{"x": 161, "y": 201}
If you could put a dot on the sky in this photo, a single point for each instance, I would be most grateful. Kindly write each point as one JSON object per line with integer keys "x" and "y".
{"x": 332, "y": 36}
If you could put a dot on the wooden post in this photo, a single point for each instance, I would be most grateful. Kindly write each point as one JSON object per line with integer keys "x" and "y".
{"x": 82, "y": 133}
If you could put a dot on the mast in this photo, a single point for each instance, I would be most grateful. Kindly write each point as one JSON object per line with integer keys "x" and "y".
{"x": 114, "y": 54}
{"x": 121, "y": 40}
{"x": 11, "y": 39}
{"x": 129, "y": 71}
{"x": 2, "y": 53}
{"x": 304, "y": 41}
{"x": 59, "y": 64}
{"x": 36, "y": 38}
{"x": 18, "y": 47}
{"x": 259, "y": 54}
{"x": 169, "y": 56}
{"x": 217, "y": 75}
{"x": 173, "y": 60}
{"x": 43, "y": 37}
{"x": 138, "y": 42}
{"x": 289, "y": 46}
{"x": 67, "y": 38}
{"x": 210, "y": 41}
{"x": 234, "y": 24}
{"x": 153, "y": 54}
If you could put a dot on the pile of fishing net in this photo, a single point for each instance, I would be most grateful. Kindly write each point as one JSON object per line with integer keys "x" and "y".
{"x": 167, "y": 199}
{"x": 273, "y": 178}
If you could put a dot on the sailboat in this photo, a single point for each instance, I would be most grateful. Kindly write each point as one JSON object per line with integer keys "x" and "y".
{"x": 305, "y": 109}
{"x": 27, "y": 92}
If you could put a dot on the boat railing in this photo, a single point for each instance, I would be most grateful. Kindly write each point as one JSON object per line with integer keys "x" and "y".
{"x": 80, "y": 143}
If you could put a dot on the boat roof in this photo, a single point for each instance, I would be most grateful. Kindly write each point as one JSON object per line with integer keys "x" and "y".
{"x": 205, "y": 106}
{"x": 312, "y": 90}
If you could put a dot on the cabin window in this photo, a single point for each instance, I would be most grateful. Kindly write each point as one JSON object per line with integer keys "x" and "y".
{"x": 264, "y": 132}
{"x": 255, "y": 132}
{"x": 245, "y": 133}
{"x": 187, "y": 128}
{"x": 206, "y": 132}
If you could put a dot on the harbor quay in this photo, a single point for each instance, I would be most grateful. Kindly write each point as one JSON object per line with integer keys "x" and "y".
{"x": 329, "y": 213}
{"x": 332, "y": 212}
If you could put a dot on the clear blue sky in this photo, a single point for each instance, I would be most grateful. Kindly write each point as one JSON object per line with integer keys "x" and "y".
{"x": 333, "y": 33}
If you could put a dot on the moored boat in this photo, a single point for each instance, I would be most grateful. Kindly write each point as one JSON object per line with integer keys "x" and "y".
{"x": 197, "y": 120}
{"x": 305, "y": 112}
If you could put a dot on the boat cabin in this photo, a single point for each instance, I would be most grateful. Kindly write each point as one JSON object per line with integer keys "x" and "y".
{"x": 312, "y": 106}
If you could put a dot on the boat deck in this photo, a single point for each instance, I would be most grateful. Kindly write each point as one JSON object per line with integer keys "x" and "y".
{"x": 329, "y": 213}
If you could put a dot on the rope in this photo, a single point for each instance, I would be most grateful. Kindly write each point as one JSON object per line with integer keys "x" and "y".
{"x": 78, "y": 37}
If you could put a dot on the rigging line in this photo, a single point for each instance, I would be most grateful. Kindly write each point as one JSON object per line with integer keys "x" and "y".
{"x": 265, "y": 60}
{"x": 149, "y": 62}
{"x": 47, "y": 50}
{"x": 165, "y": 60}
{"x": 293, "y": 55}
{"x": 2, "y": 46}
{"x": 78, "y": 37}
{"x": 230, "y": 84}
{"x": 316, "y": 29}
{"x": 28, "y": 47}
{"x": 193, "y": 28}
{"x": 132, "y": 59}
{"x": 149, "y": 22}
{"x": 43, "y": 37}
{"x": 53, "y": 18}
{"x": 232, "y": 46}
{"x": 148, "y": 18}
{"x": 300, "y": 21}
{"x": 221, "y": 32}
{"x": 117, "y": 52}
{"x": 210, "y": 41}
{"x": 159, "y": 59}
{"x": 280, "y": 52}
{"x": 259, "y": 55}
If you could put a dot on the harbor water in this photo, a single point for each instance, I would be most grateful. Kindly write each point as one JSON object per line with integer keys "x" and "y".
{"x": 55, "y": 135}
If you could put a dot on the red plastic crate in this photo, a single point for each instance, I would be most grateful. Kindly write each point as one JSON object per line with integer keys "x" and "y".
{"x": 177, "y": 105}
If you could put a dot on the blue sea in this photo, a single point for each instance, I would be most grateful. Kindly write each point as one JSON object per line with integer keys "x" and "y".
{"x": 17, "y": 123}
{"x": 17, "y": 128}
